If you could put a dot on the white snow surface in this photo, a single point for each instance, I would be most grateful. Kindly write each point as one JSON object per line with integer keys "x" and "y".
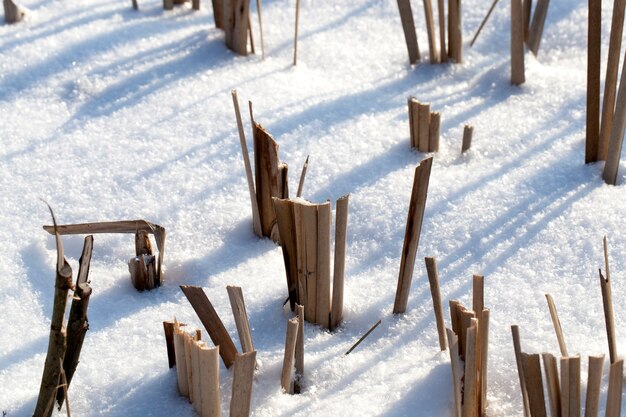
{"x": 109, "y": 113}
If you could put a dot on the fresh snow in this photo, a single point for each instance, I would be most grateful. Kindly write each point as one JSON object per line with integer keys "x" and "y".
{"x": 109, "y": 113}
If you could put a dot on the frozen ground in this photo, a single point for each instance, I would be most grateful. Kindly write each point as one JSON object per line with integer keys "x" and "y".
{"x": 108, "y": 113}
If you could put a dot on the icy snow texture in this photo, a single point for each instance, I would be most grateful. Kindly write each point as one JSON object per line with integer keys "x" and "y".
{"x": 108, "y": 113}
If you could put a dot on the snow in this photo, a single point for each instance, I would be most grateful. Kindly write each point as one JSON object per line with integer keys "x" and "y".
{"x": 109, "y": 114}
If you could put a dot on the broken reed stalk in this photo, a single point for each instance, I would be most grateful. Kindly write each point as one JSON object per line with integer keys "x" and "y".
{"x": 468, "y": 132}
{"x": 433, "y": 132}
{"x": 237, "y": 304}
{"x": 527, "y": 5}
{"x": 195, "y": 377}
{"x": 286, "y": 379}
{"x": 218, "y": 13}
{"x": 470, "y": 386}
{"x": 211, "y": 322}
{"x": 168, "y": 330}
{"x": 552, "y": 382}
{"x": 302, "y": 176}
{"x": 57, "y": 341}
{"x": 413, "y": 106}
{"x": 607, "y": 302}
{"x": 484, "y": 357}
{"x": 299, "y": 353}
{"x": 534, "y": 384}
{"x": 517, "y": 43}
{"x": 408, "y": 26}
{"x": 478, "y": 293}
{"x": 520, "y": 368}
{"x": 258, "y": 8}
{"x": 77, "y": 322}
{"x": 341, "y": 235}
{"x": 181, "y": 360}
{"x": 430, "y": 28}
{"x": 614, "y": 394}
{"x": 236, "y": 24}
{"x": 443, "y": 50}
{"x": 570, "y": 388}
{"x": 455, "y": 35}
{"x": 210, "y": 381}
{"x": 610, "y": 81}
{"x": 12, "y": 12}
{"x": 415, "y": 217}
{"x": 594, "y": 38}
{"x": 286, "y": 224}
{"x": 455, "y": 361}
{"x": 536, "y": 26}
{"x": 123, "y": 226}
{"x": 322, "y": 290}
{"x": 594, "y": 379}
{"x": 295, "y": 37}
{"x": 188, "y": 342}
{"x": 557, "y": 325}
{"x": 250, "y": 34}
{"x": 256, "y": 222}
{"x": 435, "y": 292}
{"x": 270, "y": 177}
{"x": 493, "y": 6}
{"x": 243, "y": 373}
{"x": 423, "y": 123}
{"x": 616, "y": 141}
{"x": 358, "y": 342}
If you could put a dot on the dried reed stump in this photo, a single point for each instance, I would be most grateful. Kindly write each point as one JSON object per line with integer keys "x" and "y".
{"x": 408, "y": 26}
{"x": 12, "y": 12}
{"x": 236, "y": 25}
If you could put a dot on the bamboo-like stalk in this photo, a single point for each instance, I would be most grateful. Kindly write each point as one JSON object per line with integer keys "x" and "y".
{"x": 430, "y": 29}
{"x": 424, "y": 127}
{"x": 435, "y": 292}
{"x": 414, "y": 122}
{"x": 256, "y": 222}
{"x": 210, "y": 381}
{"x": 188, "y": 341}
{"x": 195, "y": 376}
{"x": 243, "y": 373}
{"x": 433, "y": 132}
{"x": 302, "y": 176}
{"x": 58, "y": 338}
{"x": 480, "y": 27}
{"x": 614, "y": 395}
{"x": 517, "y": 43}
{"x": 181, "y": 360}
{"x": 455, "y": 362}
{"x": 478, "y": 293}
{"x": 470, "y": 377}
{"x": 443, "y": 55}
{"x": 417, "y": 208}
{"x": 616, "y": 141}
{"x": 610, "y": 80}
{"x": 594, "y": 379}
{"x": 455, "y": 34}
{"x": 285, "y": 214}
{"x": 468, "y": 131}
{"x": 258, "y": 8}
{"x": 408, "y": 26}
{"x": 594, "y": 32}
{"x": 557, "y": 325}
{"x": 534, "y": 385}
{"x": 455, "y": 318}
{"x": 520, "y": 368}
{"x": 466, "y": 321}
{"x": 358, "y": 342}
{"x": 536, "y": 26}
{"x": 341, "y": 233}
{"x": 607, "y": 302}
{"x": 299, "y": 352}
{"x": 237, "y": 304}
{"x": 212, "y": 322}
{"x": 322, "y": 293}
{"x": 295, "y": 37}
{"x": 552, "y": 381}
{"x": 286, "y": 380}
{"x": 565, "y": 387}
{"x": 307, "y": 248}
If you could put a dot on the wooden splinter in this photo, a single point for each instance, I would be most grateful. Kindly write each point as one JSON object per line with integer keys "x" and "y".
{"x": 408, "y": 26}
{"x": 237, "y": 304}
{"x": 212, "y": 322}
{"x": 552, "y": 382}
{"x": 302, "y": 176}
{"x": 520, "y": 368}
{"x": 286, "y": 379}
{"x": 594, "y": 379}
{"x": 243, "y": 373}
{"x": 417, "y": 207}
{"x": 517, "y": 43}
{"x": 435, "y": 292}
{"x": 557, "y": 325}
